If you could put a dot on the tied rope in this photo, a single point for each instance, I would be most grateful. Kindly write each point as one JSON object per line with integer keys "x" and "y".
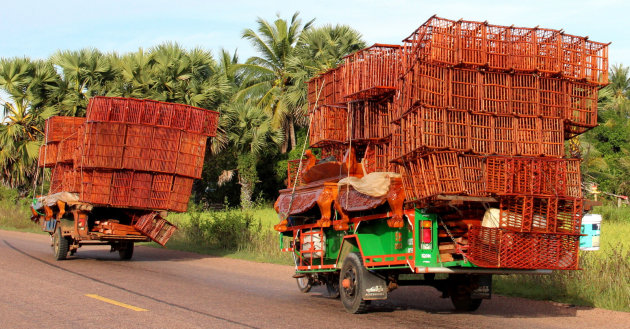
{"x": 299, "y": 170}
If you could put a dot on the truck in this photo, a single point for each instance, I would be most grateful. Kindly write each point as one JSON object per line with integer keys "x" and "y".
{"x": 116, "y": 173}
{"x": 442, "y": 162}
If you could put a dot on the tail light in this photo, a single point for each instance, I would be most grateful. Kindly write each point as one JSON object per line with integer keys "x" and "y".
{"x": 426, "y": 231}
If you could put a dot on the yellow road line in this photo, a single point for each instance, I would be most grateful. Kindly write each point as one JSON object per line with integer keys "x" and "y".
{"x": 113, "y": 302}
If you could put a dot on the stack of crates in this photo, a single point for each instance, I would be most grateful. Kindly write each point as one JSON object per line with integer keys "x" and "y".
{"x": 129, "y": 152}
{"x": 473, "y": 109}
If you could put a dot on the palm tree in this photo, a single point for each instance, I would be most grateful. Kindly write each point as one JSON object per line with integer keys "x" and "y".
{"x": 24, "y": 112}
{"x": 247, "y": 134}
{"x": 267, "y": 77}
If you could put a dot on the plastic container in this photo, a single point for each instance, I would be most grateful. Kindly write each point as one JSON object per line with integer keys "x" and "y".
{"x": 591, "y": 226}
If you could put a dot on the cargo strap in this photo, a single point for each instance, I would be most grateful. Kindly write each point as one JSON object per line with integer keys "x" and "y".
{"x": 457, "y": 246}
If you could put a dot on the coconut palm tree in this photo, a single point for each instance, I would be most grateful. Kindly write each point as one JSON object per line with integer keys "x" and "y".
{"x": 247, "y": 134}
{"x": 24, "y": 112}
{"x": 267, "y": 77}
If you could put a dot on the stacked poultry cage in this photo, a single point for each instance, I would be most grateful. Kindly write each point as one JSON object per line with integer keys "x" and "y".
{"x": 477, "y": 113}
{"x": 129, "y": 153}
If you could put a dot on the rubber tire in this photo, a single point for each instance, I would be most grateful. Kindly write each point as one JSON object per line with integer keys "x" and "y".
{"x": 463, "y": 303}
{"x": 304, "y": 284}
{"x": 332, "y": 287}
{"x": 351, "y": 298}
{"x": 126, "y": 251}
{"x": 60, "y": 245}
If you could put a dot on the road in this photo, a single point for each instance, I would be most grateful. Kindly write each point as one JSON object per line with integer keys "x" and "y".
{"x": 162, "y": 288}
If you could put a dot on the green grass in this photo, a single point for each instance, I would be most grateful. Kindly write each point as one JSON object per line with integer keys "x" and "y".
{"x": 604, "y": 280}
{"x": 15, "y": 213}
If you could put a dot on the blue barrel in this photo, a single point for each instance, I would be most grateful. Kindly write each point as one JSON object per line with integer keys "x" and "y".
{"x": 591, "y": 226}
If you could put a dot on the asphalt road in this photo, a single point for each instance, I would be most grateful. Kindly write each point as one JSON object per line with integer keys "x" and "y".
{"x": 161, "y": 288}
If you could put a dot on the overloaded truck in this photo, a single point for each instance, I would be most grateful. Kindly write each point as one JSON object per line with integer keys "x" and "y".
{"x": 442, "y": 162}
{"x": 116, "y": 173}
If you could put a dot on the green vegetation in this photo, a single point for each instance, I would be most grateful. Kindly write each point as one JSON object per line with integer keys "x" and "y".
{"x": 14, "y": 212}
{"x": 604, "y": 280}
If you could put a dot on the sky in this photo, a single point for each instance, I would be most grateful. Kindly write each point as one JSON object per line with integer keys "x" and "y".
{"x": 37, "y": 29}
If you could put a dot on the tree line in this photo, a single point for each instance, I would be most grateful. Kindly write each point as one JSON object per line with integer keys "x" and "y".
{"x": 262, "y": 102}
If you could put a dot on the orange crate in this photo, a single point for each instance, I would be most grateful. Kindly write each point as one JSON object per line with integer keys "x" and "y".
{"x": 48, "y": 155}
{"x": 160, "y": 191}
{"x": 552, "y": 96}
{"x": 182, "y": 187}
{"x": 96, "y": 186}
{"x": 494, "y": 247}
{"x": 430, "y": 85}
{"x": 192, "y": 150}
{"x": 582, "y": 108}
{"x": 473, "y": 175}
{"x": 498, "y": 47}
{"x": 57, "y": 177}
{"x": 141, "y": 189}
{"x": 164, "y": 150}
{"x": 496, "y": 93}
{"x": 481, "y": 133}
{"x": 471, "y": 42}
{"x": 434, "y": 41}
{"x": 552, "y": 137}
{"x": 522, "y": 48}
{"x": 524, "y": 95}
{"x": 103, "y": 146}
{"x": 573, "y": 61}
{"x": 596, "y": 62}
{"x": 328, "y": 125}
{"x": 548, "y": 43}
{"x": 504, "y": 135}
{"x": 528, "y": 137}
{"x": 58, "y": 128}
{"x": 138, "y": 144}
{"x": 121, "y": 188}
{"x": 372, "y": 71}
{"x": 457, "y": 130}
{"x": 541, "y": 214}
{"x": 465, "y": 89}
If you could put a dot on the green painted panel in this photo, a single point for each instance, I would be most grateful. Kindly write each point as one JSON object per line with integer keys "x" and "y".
{"x": 377, "y": 238}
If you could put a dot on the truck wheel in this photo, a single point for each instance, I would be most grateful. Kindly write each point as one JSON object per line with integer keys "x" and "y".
{"x": 304, "y": 284}
{"x": 464, "y": 303}
{"x": 332, "y": 286}
{"x": 126, "y": 250}
{"x": 60, "y": 244}
{"x": 351, "y": 285}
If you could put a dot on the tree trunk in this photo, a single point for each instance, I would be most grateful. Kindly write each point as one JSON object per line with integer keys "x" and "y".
{"x": 246, "y": 193}
{"x": 285, "y": 143}
{"x": 292, "y": 132}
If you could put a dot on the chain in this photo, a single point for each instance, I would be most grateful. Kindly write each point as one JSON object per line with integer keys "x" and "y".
{"x": 452, "y": 238}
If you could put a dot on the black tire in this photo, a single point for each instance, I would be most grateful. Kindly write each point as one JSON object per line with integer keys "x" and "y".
{"x": 464, "y": 303}
{"x": 126, "y": 250}
{"x": 332, "y": 286}
{"x": 304, "y": 284}
{"x": 60, "y": 244}
{"x": 351, "y": 294}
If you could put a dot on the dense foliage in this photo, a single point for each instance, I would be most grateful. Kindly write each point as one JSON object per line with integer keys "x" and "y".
{"x": 262, "y": 100}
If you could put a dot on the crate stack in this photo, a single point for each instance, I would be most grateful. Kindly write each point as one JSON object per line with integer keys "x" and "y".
{"x": 129, "y": 152}
{"x": 479, "y": 110}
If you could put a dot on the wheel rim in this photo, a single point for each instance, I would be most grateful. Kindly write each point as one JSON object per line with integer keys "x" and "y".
{"x": 303, "y": 282}
{"x": 55, "y": 242}
{"x": 350, "y": 291}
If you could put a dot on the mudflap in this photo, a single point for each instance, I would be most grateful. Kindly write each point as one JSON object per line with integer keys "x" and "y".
{"x": 375, "y": 286}
{"x": 484, "y": 287}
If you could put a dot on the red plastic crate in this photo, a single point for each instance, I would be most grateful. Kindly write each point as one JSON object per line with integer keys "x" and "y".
{"x": 573, "y": 49}
{"x": 471, "y": 42}
{"x": 582, "y": 108}
{"x": 481, "y": 133}
{"x": 552, "y": 137}
{"x": 67, "y": 148}
{"x": 48, "y": 155}
{"x": 465, "y": 89}
{"x": 138, "y": 144}
{"x": 596, "y": 62}
{"x": 552, "y": 96}
{"x": 96, "y": 186}
{"x": 164, "y": 149}
{"x": 192, "y": 150}
{"x": 371, "y": 72}
{"x": 528, "y": 136}
{"x": 58, "y": 128}
{"x": 182, "y": 187}
{"x": 524, "y": 95}
{"x": 473, "y": 175}
{"x": 496, "y": 93}
{"x": 504, "y": 135}
{"x": 121, "y": 188}
{"x": 328, "y": 125}
{"x": 548, "y": 43}
{"x": 522, "y": 48}
{"x": 58, "y": 173}
{"x": 498, "y": 47}
{"x": 155, "y": 227}
{"x": 370, "y": 120}
{"x": 160, "y": 191}
{"x": 141, "y": 189}
{"x": 434, "y": 41}
{"x": 103, "y": 146}
{"x": 494, "y": 247}
{"x": 541, "y": 214}
{"x": 457, "y": 130}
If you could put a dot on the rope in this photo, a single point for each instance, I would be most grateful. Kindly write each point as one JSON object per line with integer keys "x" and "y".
{"x": 299, "y": 170}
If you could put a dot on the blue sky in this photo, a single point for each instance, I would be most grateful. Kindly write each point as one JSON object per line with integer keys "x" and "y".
{"x": 37, "y": 29}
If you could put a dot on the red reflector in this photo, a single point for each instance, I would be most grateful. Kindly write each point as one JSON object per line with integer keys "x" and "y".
{"x": 426, "y": 235}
